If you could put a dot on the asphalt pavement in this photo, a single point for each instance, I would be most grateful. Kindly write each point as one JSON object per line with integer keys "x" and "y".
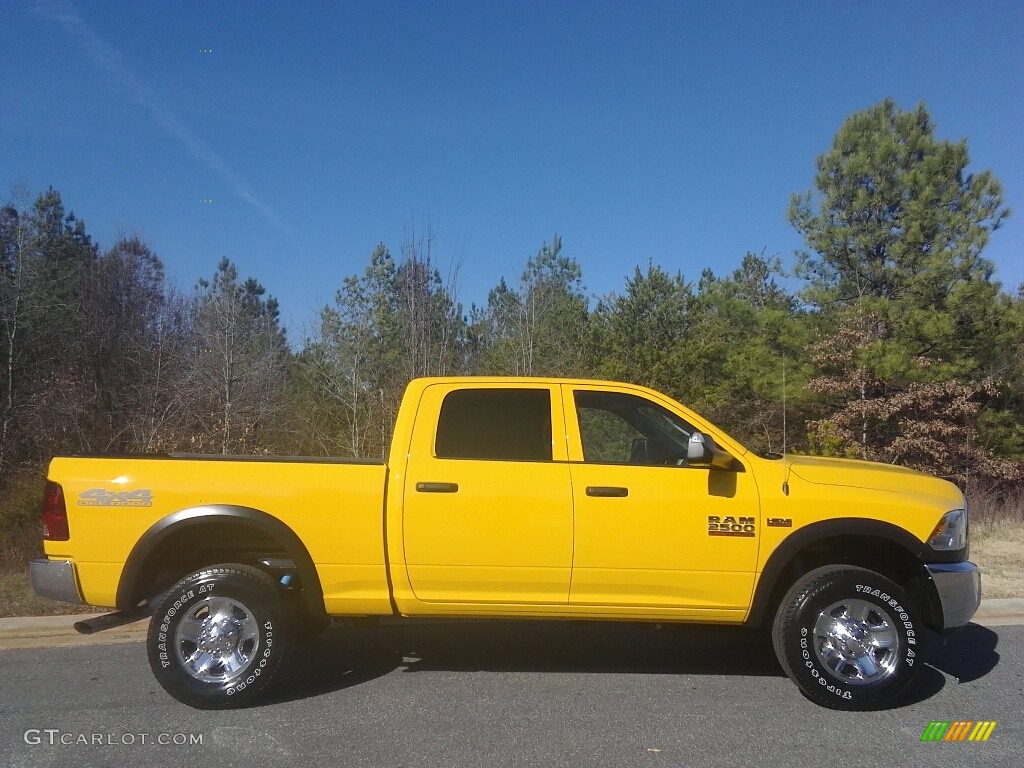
{"x": 520, "y": 693}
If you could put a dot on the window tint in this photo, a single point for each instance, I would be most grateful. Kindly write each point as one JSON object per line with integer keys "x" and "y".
{"x": 511, "y": 424}
{"x": 606, "y": 436}
{"x": 626, "y": 429}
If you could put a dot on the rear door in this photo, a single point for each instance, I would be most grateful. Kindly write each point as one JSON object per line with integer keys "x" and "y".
{"x": 488, "y": 500}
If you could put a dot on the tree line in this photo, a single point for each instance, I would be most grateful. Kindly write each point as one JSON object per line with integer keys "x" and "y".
{"x": 895, "y": 345}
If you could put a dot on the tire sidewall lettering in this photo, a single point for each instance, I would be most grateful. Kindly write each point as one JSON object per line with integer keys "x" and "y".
{"x": 235, "y": 581}
{"x": 180, "y": 602}
{"x": 901, "y": 622}
{"x": 807, "y": 599}
{"x": 907, "y": 630}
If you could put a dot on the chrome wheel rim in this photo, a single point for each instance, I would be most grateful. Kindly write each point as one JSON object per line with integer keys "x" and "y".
{"x": 857, "y": 642}
{"x": 217, "y": 639}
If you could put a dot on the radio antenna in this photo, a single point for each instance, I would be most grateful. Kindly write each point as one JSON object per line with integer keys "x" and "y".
{"x": 783, "y": 403}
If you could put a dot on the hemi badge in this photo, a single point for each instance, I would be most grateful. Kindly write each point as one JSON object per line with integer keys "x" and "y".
{"x": 779, "y": 522}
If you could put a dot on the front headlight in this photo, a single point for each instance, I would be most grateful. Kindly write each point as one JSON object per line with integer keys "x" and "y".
{"x": 950, "y": 535}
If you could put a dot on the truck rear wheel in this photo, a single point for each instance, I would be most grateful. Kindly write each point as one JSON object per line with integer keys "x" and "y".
{"x": 218, "y": 636}
{"x": 848, "y": 637}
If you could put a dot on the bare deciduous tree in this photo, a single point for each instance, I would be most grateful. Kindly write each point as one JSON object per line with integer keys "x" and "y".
{"x": 239, "y": 360}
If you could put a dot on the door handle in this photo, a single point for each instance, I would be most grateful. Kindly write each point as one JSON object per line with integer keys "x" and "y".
{"x": 607, "y": 490}
{"x": 437, "y": 487}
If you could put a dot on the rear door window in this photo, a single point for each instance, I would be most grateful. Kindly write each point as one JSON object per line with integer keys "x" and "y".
{"x": 496, "y": 424}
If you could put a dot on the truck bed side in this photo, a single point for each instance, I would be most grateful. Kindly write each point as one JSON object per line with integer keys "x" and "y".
{"x": 120, "y": 505}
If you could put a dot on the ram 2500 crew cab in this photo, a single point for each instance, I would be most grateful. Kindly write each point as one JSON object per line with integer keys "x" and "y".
{"x": 513, "y": 498}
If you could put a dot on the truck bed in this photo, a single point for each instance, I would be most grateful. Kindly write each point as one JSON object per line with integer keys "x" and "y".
{"x": 334, "y": 507}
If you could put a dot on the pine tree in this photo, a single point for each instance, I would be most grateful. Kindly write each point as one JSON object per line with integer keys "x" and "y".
{"x": 541, "y": 327}
{"x": 896, "y": 231}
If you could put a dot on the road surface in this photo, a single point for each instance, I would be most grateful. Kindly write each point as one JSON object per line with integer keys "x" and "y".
{"x": 494, "y": 694}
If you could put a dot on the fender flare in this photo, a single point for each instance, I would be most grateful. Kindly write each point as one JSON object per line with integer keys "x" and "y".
{"x": 194, "y": 517}
{"x": 827, "y": 529}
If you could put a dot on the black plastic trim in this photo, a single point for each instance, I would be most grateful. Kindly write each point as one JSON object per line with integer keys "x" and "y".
{"x": 437, "y": 487}
{"x": 607, "y": 491}
{"x": 128, "y": 594}
{"x": 930, "y": 555}
{"x": 387, "y": 550}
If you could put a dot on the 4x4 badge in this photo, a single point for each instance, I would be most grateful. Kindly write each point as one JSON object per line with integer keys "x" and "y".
{"x": 100, "y": 497}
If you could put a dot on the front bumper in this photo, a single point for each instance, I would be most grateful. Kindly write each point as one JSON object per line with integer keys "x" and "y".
{"x": 55, "y": 579}
{"x": 959, "y": 589}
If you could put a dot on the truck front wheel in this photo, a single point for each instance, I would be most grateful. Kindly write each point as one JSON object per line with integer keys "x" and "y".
{"x": 848, "y": 637}
{"x": 218, "y": 636}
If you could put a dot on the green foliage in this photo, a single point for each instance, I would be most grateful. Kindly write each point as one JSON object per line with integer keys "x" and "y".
{"x": 898, "y": 230}
{"x": 913, "y": 323}
{"x": 392, "y": 324}
{"x": 898, "y": 215}
{"x": 47, "y": 261}
{"x": 748, "y": 339}
{"x": 539, "y": 328}
{"x": 641, "y": 331}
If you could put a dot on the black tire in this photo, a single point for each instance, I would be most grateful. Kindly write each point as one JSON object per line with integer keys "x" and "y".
{"x": 218, "y": 637}
{"x": 849, "y": 638}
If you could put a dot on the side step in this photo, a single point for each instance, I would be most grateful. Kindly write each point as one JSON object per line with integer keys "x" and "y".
{"x": 111, "y": 620}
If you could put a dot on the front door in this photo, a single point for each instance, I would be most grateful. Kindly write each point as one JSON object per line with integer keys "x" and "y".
{"x": 650, "y": 530}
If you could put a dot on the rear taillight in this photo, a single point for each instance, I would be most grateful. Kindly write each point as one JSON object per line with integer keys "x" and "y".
{"x": 55, "y": 514}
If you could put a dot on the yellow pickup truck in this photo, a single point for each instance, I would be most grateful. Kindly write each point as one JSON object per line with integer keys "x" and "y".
{"x": 515, "y": 497}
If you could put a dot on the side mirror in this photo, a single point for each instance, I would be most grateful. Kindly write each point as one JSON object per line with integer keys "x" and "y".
{"x": 698, "y": 451}
{"x": 701, "y": 451}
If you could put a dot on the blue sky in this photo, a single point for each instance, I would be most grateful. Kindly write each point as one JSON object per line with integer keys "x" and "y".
{"x": 673, "y": 132}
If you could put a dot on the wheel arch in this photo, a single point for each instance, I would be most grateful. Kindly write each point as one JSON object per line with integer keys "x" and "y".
{"x": 146, "y": 568}
{"x": 873, "y": 544}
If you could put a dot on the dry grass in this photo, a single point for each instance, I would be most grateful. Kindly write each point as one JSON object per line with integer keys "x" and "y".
{"x": 997, "y": 539}
{"x": 998, "y": 548}
{"x": 18, "y": 599}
